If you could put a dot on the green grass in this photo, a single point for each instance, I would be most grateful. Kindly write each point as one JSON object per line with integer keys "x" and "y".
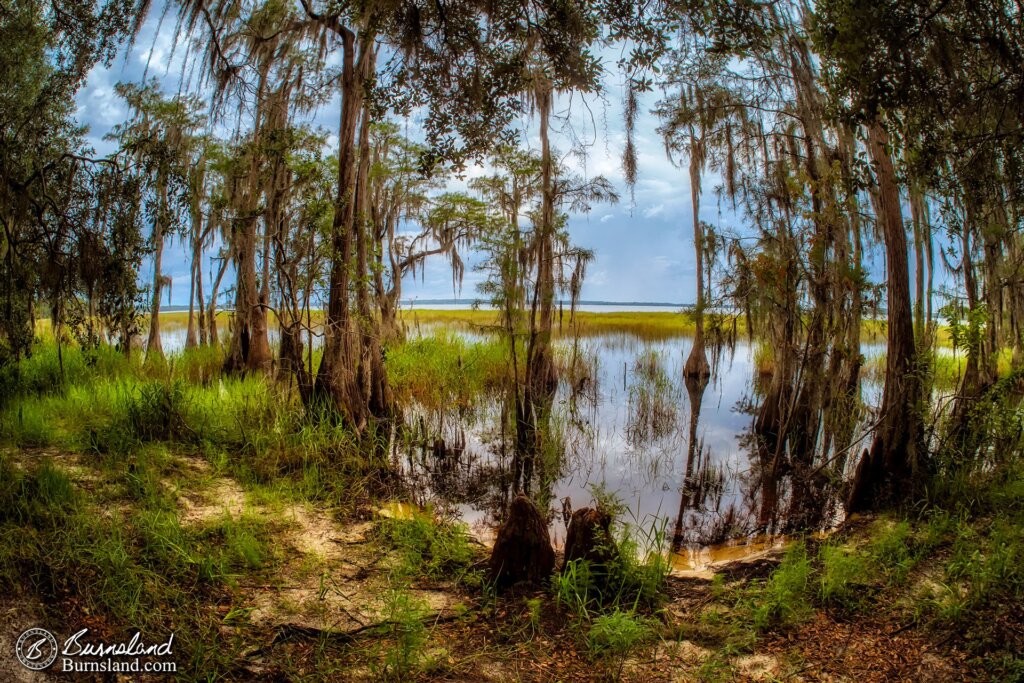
{"x": 615, "y": 635}
{"x": 445, "y": 371}
{"x": 645, "y": 324}
{"x": 406, "y": 634}
{"x": 947, "y": 369}
{"x": 783, "y": 599}
{"x": 631, "y": 580}
{"x": 249, "y": 426}
{"x": 119, "y": 552}
{"x": 842, "y": 576}
{"x": 425, "y": 547}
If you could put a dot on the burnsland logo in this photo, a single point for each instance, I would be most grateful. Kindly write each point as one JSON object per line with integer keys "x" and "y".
{"x": 37, "y": 649}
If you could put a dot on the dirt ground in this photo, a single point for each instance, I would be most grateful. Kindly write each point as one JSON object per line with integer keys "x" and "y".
{"x": 312, "y": 613}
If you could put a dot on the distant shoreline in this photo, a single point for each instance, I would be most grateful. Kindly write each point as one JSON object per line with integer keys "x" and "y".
{"x": 470, "y": 303}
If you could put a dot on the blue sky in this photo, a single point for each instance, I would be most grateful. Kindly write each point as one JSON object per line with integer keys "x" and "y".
{"x": 643, "y": 247}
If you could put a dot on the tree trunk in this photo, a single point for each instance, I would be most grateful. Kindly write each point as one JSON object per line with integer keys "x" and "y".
{"x": 338, "y": 383}
{"x": 373, "y": 374}
{"x": 200, "y": 297}
{"x": 522, "y": 550}
{"x": 541, "y": 380}
{"x": 249, "y": 349}
{"x": 211, "y": 312}
{"x": 191, "y": 339}
{"x": 917, "y": 213}
{"x": 887, "y": 473}
{"x": 154, "y": 345}
{"x": 697, "y": 361}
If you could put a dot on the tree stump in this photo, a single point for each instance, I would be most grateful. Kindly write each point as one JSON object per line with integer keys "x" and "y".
{"x": 522, "y": 552}
{"x": 589, "y": 538}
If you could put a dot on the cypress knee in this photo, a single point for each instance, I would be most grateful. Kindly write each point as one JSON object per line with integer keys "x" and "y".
{"x": 589, "y": 537}
{"x": 522, "y": 552}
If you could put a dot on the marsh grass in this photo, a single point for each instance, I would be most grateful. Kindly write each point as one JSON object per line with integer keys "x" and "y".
{"x": 644, "y": 324}
{"x": 946, "y": 368}
{"x": 249, "y": 427}
{"x": 446, "y": 371}
{"x": 654, "y": 400}
{"x": 121, "y": 554}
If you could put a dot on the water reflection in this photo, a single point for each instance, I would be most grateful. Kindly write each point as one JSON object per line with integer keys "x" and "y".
{"x": 688, "y": 455}
{"x": 684, "y": 453}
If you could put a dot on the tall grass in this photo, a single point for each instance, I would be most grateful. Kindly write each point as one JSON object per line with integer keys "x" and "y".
{"x": 83, "y": 551}
{"x": 443, "y": 371}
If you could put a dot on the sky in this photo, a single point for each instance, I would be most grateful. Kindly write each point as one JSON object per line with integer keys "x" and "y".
{"x": 643, "y": 245}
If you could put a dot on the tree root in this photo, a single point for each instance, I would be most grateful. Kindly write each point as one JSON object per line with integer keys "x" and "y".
{"x": 290, "y": 633}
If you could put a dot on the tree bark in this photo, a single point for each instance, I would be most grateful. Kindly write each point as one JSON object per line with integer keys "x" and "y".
{"x": 887, "y": 473}
{"x": 697, "y": 361}
{"x": 541, "y": 380}
{"x": 249, "y": 349}
{"x": 211, "y": 313}
{"x": 154, "y": 344}
{"x": 341, "y": 380}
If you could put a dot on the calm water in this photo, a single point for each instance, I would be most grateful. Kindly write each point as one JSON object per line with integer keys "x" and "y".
{"x": 610, "y": 445}
{"x": 626, "y": 429}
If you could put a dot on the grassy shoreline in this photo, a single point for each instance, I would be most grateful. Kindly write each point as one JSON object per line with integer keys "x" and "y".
{"x": 170, "y": 497}
{"x": 654, "y": 325}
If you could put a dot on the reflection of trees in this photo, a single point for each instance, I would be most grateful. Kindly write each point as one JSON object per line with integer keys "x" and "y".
{"x": 695, "y": 386}
{"x": 466, "y": 455}
{"x": 703, "y": 486}
{"x": 784, "y": 490}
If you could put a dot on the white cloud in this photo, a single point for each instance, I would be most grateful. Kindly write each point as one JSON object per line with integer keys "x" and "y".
{"x": 653, "y": 211}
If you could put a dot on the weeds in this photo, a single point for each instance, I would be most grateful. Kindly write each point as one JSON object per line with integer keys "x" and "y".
{"x": 842, "y": 576}
{"x": 631, "y": 579}
{"x": 614, "y": 635}
{"x": 783, "y": 599}
{"x": 403, "y": 616}
{"x": 445, "y": 371}
{"x": 428, "y": 548}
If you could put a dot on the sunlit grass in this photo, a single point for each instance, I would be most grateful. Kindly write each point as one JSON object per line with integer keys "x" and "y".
{"x": 645, "y": 324}
{"x": 445, "y": 370}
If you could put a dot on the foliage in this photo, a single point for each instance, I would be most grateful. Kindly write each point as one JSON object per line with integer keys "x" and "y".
{"x": 632, "y": 579}
{"x": 445, "y": 371}
{"x": 403, "y": 615}
{"x": 428, "y": 548}
{"x": 782, "y": 600}
{"x": 614, "y": 635}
